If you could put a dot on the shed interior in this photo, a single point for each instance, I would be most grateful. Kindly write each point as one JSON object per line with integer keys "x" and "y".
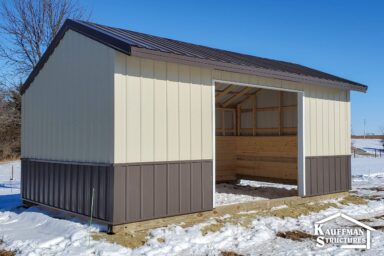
{"x": 256, "y": 134}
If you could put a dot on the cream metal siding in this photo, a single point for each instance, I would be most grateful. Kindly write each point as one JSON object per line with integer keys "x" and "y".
{"x": 67, "y": 113}
{"x": 163, "y": 111}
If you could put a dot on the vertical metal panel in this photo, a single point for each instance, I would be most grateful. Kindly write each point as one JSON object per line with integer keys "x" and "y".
{"x": 338, "y": 173}
{"x": 80, "y": 189}
{"x": 185, "y": 187}
{"x": 172, "y": 112}
{"x": 328, "y": 174}
{"x": 104, "y": 193}
{"x": 69, "y": 186}
{"x": 74, "y": 186}
{"x": 107, "y": 203}
{"x": 327, "y": 179}
{"x": 32, "y": 182}
{"x": 308, "y": 174}
{"x": 196, "y": 184}
{"x": 40, "y": 187}
{"x": 160, "y": 189}
{"x": 314, "y": 176}
{"x": 343, "y": 174}
{"x": 207, "y": 189}
{"x": 184, "y": 113}
{"x": 332, "y": 173}
{"x": 22, "y": 179}
{"x": 146, "y": 111}
{"x": 349, "y": 173}
{"x": 320, "y": 176}
{"x": 133, "y": 184}
{"x": 206, "y": 116}
{"x": 160, "y": 108}
{"x": 45, "y": 182}
{"x": 56, "y": 185}
{"x": 62, "y": 186}
{"x": 87, "y": 189}
{"x": 173, "y": 184}
{"x": 196, "y": 113}
{"x": 119, "y": 193}
{"x": 147, "y": 191}
{"x": 120, "y": 106}
{"x": 97, "y": 203}
{"x": 133, "y": 109}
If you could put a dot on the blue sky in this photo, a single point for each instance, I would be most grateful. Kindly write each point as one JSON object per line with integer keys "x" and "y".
{"x": 345, "y": 38}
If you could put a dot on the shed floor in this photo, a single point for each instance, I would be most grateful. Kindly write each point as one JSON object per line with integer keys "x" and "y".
{"x": 247, "y": 190}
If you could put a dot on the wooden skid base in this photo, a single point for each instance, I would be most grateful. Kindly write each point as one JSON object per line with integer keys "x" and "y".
{"x": 220, "y": 211}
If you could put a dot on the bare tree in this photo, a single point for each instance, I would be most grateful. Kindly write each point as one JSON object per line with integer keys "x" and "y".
{"x": 27, "y": 28}
{"x": 10, "y": 123}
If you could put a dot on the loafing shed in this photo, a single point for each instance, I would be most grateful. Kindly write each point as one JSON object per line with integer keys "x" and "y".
{"x": 149, "y": 125}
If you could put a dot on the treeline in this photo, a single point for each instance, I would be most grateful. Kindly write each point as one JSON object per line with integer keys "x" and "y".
{"x": 10, "y": 123}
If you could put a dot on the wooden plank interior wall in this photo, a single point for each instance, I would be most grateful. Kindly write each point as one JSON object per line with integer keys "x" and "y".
{"x": 225, "y": 158}
{"x": 271, "y": 158}
{"x": 260, "y": 113}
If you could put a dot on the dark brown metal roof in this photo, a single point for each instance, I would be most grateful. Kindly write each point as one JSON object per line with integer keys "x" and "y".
{"x": 135, "y": 43}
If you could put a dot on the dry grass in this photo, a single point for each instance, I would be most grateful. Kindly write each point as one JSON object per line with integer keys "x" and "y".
{"x": 352, "y": 199}
{"x": 124, "y": 238}
{"x": 211, "y": 228}
{"x": 160, "y": 240}
{"x": 5, "y": 252}
{"x": 295, "y": 235}
{"x": 229, "y": 253}
{"x": 303, "y": 209}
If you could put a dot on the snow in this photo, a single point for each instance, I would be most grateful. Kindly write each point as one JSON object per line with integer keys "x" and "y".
{"x": 35, "y": 231}
{"x": 367, "y": 166}
{"x": 248, "y": 190}
{"x": 9, "y": 188}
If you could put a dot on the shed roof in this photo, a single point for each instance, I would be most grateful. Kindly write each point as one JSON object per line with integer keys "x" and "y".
{"x": 149, "y": 46}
